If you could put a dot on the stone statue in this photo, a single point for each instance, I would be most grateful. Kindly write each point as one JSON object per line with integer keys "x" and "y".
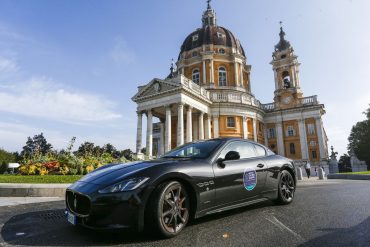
{"x": 333, "y": 162}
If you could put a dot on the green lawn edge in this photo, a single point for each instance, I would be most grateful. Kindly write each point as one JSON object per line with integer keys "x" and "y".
{"x": 37, "y": 179}
{"x": 357, "y": 173}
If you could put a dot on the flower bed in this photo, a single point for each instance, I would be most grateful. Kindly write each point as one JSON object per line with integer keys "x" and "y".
{"x": 65, "y": 164}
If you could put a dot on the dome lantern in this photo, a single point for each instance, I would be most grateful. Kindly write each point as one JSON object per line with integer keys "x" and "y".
{"x": 209, "y": 16}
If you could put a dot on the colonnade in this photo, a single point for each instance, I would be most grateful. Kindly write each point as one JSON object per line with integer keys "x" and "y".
{"x": 200, "y": 132}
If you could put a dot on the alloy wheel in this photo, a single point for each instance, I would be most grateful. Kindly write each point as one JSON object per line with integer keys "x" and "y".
{"x": 287, "y": 186}
{"x": 175, "y": 211}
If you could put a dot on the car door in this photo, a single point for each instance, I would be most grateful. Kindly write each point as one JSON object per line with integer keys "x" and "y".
{"x": 241, "y": 179}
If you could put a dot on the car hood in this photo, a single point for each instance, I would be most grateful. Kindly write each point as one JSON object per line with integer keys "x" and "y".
{"x": 112, "y": 173}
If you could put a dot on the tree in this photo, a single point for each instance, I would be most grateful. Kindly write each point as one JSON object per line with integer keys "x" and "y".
{"x": 86, "y": 148}
{"x": 109, "y": 148}
{"x": 128, "y": 154}
{"x": 37, "y": 143}
{"x": 5, "y": 158}
{"x": 359, "y": 139}
{"x": 344, "y": 163}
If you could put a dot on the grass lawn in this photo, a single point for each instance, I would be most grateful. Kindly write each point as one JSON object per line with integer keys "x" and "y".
{"x": 360, "y": 173}
{"x": 35, "y": 179}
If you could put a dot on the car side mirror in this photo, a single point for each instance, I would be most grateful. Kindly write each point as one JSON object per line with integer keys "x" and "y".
{"x": 232, "y": 155}
{"x": 220, "y": 163}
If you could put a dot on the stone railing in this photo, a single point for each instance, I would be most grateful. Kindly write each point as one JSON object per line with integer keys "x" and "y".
{"x": 310, "y": 100}
{"x": 268, "y": 107}
{"x": 187, "y": 83}
{"x": 234, "y": 98}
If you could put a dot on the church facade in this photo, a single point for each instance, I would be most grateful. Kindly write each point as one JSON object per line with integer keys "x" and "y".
{"x": 209, "y": 95}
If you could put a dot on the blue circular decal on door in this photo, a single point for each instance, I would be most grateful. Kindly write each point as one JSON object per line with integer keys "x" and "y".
{"x": 250, "y": 179}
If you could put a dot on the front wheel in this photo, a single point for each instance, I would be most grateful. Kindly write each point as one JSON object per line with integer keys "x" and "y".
{"x": 171, "y": 209}
{"x": 286, "y": 188}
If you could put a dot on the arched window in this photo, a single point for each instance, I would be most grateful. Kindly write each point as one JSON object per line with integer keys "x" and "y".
{"x": 286, "y": 79}
{"x": 222, "y": 76}
{"x": 196, "y": 76}
{"x": 292, "y": 148}
{"x": 221, "y": 51}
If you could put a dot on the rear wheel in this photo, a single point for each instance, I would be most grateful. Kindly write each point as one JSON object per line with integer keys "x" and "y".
{"x": 286, "y": 188}
{"x": 171, "y": 209}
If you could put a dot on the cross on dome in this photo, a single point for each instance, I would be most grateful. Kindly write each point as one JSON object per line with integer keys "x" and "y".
{"x": 209, "y": 16}
{"x": 208, "y": 4}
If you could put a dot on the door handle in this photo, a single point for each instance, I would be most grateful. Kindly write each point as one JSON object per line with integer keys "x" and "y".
{"x": 260, "y": 165}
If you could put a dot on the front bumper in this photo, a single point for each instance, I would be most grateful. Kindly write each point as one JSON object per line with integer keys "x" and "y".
{"x": 105, "y": 211}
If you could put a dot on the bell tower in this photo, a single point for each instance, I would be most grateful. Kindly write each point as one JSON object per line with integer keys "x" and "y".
{"x": 286, "y": 71}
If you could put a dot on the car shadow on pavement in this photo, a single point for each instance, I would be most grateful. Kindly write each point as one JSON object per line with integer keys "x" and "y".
{"x": 357, "y": 235}
{"x": 50, "y": 228}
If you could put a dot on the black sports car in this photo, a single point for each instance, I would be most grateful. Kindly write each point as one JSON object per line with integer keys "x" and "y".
{"x": 191, "y": 181}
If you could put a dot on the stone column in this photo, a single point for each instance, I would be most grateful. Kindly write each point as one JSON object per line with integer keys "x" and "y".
{"x": 139, "y": 131}
{"x": 195, "y": 128}
{"x": 167, "y": 139}
{"x": 280, "y": 139}
{"x": 245, "y": 127}
{"x": 276, "y": 80}
{"x": 236, "y": 73}
{"x": 189, "y": 125}
{"x": 212, "y": 73}
{"x": 320, "y": 137}
{"x": 149, "y": 134}
{"x": 180, "y": 124}
{"x": 161, "y": 139}
{"x": 204, "y": 72}
{"x": 265, "y": 135}
{"x": 201, "y": 126}
{"x": 255, "y": 129}
{"x": 303, "y": 139}
{"x": 241, "y": 75}
{"x": 207, "y": 127}
{"x": 296, "y": 79}
{"x": 215, "y": 127}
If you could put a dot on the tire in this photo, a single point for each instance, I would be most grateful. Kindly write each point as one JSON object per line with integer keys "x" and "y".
{"x": 286, "y": 188}
{"x": 170, "y": 209}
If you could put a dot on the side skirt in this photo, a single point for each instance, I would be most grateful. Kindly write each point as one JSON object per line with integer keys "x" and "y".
{"x": 238, "y": 205}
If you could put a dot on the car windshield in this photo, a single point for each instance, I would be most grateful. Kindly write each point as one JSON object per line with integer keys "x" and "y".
{"x": 194, "y": 150}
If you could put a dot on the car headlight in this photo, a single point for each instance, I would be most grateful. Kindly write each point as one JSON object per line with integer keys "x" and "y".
{"x": 126, "y": 185}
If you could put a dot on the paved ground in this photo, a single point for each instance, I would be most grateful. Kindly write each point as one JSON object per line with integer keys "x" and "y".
{"x": 13, "y": 201}
{"x": 330, "y": 213}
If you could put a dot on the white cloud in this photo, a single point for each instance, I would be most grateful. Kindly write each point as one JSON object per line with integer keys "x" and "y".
{"x": 13, "y": 136}
{"x": 7, "y": 65}
{"x": 120, "y": 52}
{"x": 43, "y": 98}
{"x": 7, "y": 33}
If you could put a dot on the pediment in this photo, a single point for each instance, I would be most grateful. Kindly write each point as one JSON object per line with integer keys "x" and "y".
{"x": 155, "y": 87}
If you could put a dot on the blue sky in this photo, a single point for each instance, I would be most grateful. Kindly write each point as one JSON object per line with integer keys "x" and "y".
{"x": 69, "y": 68}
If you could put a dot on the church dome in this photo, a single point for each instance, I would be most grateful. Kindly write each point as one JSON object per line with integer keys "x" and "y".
{"x": 211, "y": 34}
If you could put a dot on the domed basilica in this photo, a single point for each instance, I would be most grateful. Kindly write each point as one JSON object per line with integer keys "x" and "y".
{"x": 209, "y": 95}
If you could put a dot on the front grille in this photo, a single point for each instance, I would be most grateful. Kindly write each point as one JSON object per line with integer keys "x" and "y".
{"x": 78, "y": 203}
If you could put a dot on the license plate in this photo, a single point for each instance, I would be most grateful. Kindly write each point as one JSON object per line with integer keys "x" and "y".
{"x": 71, "y": 218}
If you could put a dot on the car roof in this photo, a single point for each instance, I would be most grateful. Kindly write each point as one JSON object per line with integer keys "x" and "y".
{"x": 228, "y": 139}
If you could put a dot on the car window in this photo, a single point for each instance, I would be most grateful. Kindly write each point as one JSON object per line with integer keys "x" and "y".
{"x": 269, "y": 152}
{"x": 245, "y": 149}
{"x": 194, "y": 150}
{"x": 260, "y": 150}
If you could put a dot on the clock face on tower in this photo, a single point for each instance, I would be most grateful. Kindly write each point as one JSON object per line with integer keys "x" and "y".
{"x": 287, "y": 99}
